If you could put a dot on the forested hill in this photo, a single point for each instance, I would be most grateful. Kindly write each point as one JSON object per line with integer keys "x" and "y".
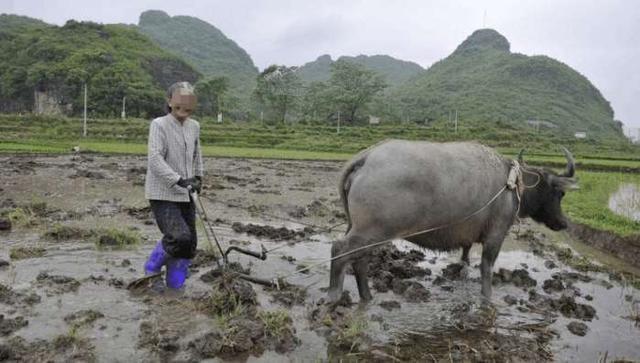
{"x": 204, "y": 46}
{"x": 393, "y": 70}
{"x": 484, "y": 81}
{"x": 43, "y": 68}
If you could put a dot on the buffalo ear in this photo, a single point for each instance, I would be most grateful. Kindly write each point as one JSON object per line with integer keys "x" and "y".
{"x": 566, "y": 184}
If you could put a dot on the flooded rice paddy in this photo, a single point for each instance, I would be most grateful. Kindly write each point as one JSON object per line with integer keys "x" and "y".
{"x": 65, "y": 298}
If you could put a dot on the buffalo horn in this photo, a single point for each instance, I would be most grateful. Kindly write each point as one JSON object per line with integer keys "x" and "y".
{"x": 520, "y": 156}
{"x": 570, "y": 163}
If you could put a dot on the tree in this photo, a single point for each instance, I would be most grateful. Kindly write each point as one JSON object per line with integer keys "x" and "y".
{"x": 210, "y": 94}
{"x": 352, "y": 86}
{"x": 278, "y": 89}
{"x": 316, "y": 102}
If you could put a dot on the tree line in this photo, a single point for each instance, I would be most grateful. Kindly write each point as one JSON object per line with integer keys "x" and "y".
{"x": 281, "y": 95}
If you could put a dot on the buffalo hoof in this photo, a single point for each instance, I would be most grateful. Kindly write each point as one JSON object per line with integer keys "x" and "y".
{"x": 334, "y": 295}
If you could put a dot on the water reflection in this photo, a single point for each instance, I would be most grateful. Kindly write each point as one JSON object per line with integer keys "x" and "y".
{"x": 626, "y": 201}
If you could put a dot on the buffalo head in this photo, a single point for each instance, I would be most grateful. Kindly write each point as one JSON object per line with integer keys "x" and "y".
{"x": 543, "y": 193}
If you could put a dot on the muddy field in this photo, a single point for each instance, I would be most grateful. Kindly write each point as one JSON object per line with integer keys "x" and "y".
{"x": 63, "y": 292}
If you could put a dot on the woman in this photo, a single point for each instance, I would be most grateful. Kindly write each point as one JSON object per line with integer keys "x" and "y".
{"x": 174, "y": 170}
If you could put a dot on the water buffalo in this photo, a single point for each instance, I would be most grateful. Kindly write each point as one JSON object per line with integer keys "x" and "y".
{"x": 400, "y": 188}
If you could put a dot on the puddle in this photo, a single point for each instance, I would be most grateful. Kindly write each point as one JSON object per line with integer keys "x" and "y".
{"x": 626, "y": 201}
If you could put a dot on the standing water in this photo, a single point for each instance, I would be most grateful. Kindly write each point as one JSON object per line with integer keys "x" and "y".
{"x": 626, "y": 201}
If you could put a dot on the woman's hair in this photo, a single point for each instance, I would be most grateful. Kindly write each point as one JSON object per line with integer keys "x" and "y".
{"x": 186, "y": 87}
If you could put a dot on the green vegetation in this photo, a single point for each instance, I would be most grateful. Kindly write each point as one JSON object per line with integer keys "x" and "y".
{"x": 352, "y": 332}
{"x": 589, "y": 204}
{"x": 306, "y": 141}
{"x": 276, "y": 323}
{"x": 115, "y": 61}
{"x": 116, "y": 238}
{"x": 277, "y": 90}
{"x": 43, "y": 68}
{"x": 207, "y": 49}
{"x": 394, "y": 71}
{"x": 484, "y": 81}
{"x": 20, "y": 253}
{"x": 22, "y": 217}
{"x": 60, "y": 232}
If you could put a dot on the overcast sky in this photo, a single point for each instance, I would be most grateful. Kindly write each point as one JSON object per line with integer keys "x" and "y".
{"x": 600, "y": 39}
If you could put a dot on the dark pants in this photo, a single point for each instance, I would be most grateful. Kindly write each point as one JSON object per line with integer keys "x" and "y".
{"x": 177, "y": 222}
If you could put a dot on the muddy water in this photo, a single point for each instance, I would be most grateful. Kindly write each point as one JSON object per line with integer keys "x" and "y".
{"x": 97, "y": 191}
{"x": 626, "y": 201}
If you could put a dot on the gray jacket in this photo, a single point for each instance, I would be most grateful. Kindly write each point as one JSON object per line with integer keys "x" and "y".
{"x": 174, "y": 153}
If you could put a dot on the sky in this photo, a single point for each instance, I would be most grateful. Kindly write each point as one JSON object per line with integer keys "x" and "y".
{"x": 599, "y": 39}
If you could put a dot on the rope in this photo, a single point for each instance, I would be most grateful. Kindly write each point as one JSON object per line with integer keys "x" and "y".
{"x": 280, "y": 278}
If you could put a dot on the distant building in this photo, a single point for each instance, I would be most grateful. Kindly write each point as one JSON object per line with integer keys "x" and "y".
{"x": 580, "y": 135}
{"x": 538, "y": 123}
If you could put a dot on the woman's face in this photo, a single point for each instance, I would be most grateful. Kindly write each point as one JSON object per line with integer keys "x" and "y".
{"x": 182, "y": 105}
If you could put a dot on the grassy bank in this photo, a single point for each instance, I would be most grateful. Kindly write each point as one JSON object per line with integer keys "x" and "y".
{"x": 589, "y": 204}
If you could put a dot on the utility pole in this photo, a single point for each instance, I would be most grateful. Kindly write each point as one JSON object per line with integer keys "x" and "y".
{"x": 456, "y": 126}
{"x": 124, "y": 111}
{"x": 84, "y": 129}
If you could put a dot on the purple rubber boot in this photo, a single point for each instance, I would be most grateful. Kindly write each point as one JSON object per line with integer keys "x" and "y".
{"x": 177, "y": 271}
{"x": 157, "y": 259}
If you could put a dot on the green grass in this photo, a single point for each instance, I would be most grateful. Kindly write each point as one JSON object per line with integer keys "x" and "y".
{"x": 116, "y": 238}
{"x": 589, "y": 204}
{"x": 276, "y": 323}
{"x": 20, "y": 253}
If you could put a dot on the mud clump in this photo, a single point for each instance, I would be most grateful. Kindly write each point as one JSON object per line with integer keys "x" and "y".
{"x": 566, "y": 305}
{"x": 578, "y": 328}
{"x": 517, "y": 277}
{"x": 57, "y": 284}
{"x": 204, "y": 258}
{"x": 10, "y": 297}
{"x": 83, "y": 317}
{"x": 9, "y": 325}
{"x": 228, "y": 295}
{"x": 63, "y": 348}
{"x": 90, "y": 174}
{"x": 5, "y": 224}
{"x": 21, "y": 253}
{"x": 215, "y": 274}
{"x": 415, "y": 292}
{"x": 272, "y": 233}
{"x": 141, "y": 213}
{"x": 233, "y": 302}
{"x": 553, "y": 284}
{"x": 389, "y": 268}
{"x": 4, "y": 263}
{"x": 65, "y": 233}
{"x": 288, "y": 295}
{"x": 454, "y": 271}
{"x": 344, "y": 329}
{"x": 160, "y": 341}
{"x": 390, "y": 305}
{"x": 207, "y": 345}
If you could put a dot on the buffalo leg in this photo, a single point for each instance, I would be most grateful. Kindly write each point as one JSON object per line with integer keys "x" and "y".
{"x": 465, "y": 255}
{"x": 490, "y": 250}
{"x": 338, "y": 269}
{"x": 361, "y": 270}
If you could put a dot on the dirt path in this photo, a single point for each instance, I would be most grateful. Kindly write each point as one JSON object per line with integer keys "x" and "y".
{"x": 63, "y": 298}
